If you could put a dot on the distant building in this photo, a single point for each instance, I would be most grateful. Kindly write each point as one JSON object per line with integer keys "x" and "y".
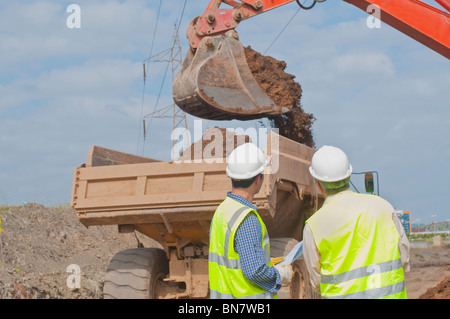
{"x": 405, "y": 218}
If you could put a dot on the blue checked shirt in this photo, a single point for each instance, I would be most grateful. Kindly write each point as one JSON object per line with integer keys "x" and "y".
{"x": 247, "y": 244}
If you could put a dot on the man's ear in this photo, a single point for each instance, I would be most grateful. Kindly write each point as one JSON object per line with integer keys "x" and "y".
{"x": 257, "y": 181}
{"x": 261, "y": 178}
{"x": 320, "y": 186}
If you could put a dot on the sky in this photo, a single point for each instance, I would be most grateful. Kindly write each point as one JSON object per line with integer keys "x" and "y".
{"x": 374, "y": 92}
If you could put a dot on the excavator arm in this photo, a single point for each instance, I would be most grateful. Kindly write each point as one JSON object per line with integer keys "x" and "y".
{"x": 418, "y": 20}
{"x": 215, "y": 81}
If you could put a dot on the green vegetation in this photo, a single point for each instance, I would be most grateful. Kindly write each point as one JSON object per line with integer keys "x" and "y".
{"x": 439, "y": 226}
{"x": 4, "y": 209}
{"x": 62, "y": 206}
{"x": 427, "y": 237}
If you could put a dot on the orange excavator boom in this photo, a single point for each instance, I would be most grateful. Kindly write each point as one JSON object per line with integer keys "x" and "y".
{"x": 215, "y": 81}
{"x": 418, "y": 20}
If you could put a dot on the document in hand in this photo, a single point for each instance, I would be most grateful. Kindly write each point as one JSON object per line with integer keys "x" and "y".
{"x": 294, "y": 254}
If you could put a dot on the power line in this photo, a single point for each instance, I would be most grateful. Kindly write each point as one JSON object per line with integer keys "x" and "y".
{"x": 156, "y": 28}
{"x": 276, "y": 38}
{"x": 159, "y": 94}
{"x": 145, "y": 75}
{"x": 301, "y": 6}
{"x": 181, "y": 16}
{"x": 175, "y": 60}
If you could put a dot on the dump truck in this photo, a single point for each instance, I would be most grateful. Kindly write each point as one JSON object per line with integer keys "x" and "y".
{"x": 173, "y": 203}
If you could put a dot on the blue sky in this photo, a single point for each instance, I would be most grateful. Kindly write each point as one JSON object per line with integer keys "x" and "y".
{"x": 379, "y": 95}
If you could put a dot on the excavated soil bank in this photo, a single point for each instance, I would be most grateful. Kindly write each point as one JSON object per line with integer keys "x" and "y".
{"x": 441, "y": 291}
{"x": 38, "y": 244}
{"x": 284, "y": 91}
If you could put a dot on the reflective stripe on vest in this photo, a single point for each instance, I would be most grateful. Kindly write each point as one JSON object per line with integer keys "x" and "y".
{"x": 217, "y": 295}
{"x": 225, "y": 274}
{"x": 362, "y": 272}
{"x": 374, "y": 293}
{"x": 358, "y": 245}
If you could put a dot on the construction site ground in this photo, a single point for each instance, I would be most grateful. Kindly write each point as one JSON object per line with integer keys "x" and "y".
{"x": 39, "y": 243}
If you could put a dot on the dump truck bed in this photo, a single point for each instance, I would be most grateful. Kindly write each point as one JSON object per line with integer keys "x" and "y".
{"x": 169, "y": 201}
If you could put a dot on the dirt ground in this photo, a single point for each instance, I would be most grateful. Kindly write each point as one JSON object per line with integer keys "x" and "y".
{"x": 430, "y": 270}
{"x": 38, "y": 244}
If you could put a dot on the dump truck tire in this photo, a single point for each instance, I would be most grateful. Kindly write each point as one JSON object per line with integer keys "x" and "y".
{"x": 300, "y": 287}
{"x": 135, "y": 274}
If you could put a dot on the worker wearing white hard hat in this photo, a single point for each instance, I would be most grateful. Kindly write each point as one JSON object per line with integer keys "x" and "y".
{"x": 354, "y": 246}
{"x": 246, "y": 162}
{"x": 239, "y": 250}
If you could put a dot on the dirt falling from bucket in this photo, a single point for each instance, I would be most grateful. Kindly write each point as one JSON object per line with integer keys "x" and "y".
{"x": 284, "y": 91}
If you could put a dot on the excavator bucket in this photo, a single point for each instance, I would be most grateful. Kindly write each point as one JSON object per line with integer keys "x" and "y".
{"x": 216, "y": 83}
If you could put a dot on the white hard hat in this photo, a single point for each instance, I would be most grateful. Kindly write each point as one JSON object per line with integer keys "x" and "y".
{"x": 330, "y": 164}
{"x": 246, "y": 161}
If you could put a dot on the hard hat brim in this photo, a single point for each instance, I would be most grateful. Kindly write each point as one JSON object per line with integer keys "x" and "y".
{"x": 247, "y": 175}
{"x": 328, "y": 179}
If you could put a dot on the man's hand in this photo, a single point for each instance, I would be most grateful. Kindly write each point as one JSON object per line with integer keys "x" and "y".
{"x": 286, "y": 274}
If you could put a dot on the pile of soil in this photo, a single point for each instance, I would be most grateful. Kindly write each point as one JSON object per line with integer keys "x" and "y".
{"x": 441, "y": 291}
{"x": 38, "y": 244}
{"x": 284, "y": 91}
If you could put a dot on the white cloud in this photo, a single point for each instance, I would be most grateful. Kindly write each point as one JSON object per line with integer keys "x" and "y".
{"x": 36, "y": 32}
{"x": 101, "y": 79}
{"x": 374, "y": 64}
{"x": 98, "y": 78}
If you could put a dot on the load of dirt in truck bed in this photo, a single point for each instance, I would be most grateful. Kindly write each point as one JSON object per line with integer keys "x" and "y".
{"x": 284, "y": 91}
{"x": 216, "y": 143}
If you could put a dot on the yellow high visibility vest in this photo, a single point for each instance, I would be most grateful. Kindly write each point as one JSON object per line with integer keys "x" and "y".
{"x": 226, "y": 279}
{"x": 358, "y": 245}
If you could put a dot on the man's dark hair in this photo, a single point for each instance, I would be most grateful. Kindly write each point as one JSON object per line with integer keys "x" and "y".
{"x": 243, "y": 183}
